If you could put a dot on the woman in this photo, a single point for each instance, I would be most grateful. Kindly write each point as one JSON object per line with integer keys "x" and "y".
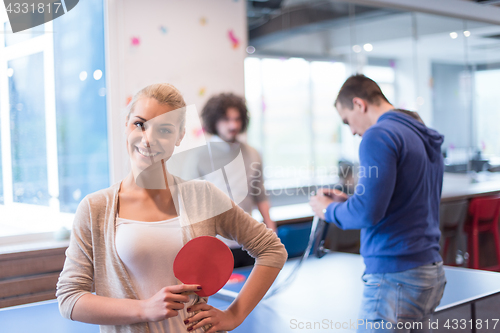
{"x": 125, "y": 237}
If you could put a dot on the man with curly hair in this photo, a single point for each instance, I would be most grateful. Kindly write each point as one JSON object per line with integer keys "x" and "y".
{"x": 225, "y": 116}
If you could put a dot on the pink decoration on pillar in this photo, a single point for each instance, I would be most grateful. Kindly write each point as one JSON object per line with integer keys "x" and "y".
{"x": 234, "y": 40}
{"x": 135, "y": 41}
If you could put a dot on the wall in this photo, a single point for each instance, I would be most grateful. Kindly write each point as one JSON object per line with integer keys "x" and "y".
{"x": 28, "y": 274}
{"x": 183, "y": 42}
{"x": 449, "y": 102}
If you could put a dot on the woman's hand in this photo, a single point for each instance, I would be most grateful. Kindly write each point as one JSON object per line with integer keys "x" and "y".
{"x": 167, "y": 302}
{"x": 219, "y": 320}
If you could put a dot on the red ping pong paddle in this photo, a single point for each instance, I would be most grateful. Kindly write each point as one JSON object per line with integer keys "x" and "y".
{"x": 206, "y": 261}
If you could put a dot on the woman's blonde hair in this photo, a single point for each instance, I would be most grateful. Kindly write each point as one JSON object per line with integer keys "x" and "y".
{"x": 163, "y": 93}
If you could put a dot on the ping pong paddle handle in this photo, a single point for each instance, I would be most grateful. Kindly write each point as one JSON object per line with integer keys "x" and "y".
{"x": 206, "y": 327}
{"x": 193, "y": 313}
{"x": 188, "y": 293}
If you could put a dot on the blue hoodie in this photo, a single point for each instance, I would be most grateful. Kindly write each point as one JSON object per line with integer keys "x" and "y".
{"x": 396, "y": 204}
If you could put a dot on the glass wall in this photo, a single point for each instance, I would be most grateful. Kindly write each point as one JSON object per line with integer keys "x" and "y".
{"x": 53, "y": 123}
{"x": 487, "y": 106}
{"x": 447, "y": 69}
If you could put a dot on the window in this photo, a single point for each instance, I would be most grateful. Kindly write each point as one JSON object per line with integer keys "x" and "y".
{"x": 53, "y": 127}
{"x": 293, "y": 120}
{"x": 488, "y": 111}
{"x": 445, "y": 68}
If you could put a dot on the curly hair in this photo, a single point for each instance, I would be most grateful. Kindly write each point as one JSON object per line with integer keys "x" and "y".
{"x": 216, "y": 108}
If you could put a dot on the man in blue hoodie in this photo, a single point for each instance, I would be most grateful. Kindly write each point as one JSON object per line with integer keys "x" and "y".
{"x": 396, "y": 206}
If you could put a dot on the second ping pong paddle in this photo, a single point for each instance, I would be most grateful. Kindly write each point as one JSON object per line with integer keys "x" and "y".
{"x": 206, "y": 261}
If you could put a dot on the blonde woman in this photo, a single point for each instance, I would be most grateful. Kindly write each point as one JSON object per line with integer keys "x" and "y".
{"x": 125, "y": 237}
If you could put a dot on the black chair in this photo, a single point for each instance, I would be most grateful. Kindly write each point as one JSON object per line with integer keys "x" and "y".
{"x": 342, "y": 240}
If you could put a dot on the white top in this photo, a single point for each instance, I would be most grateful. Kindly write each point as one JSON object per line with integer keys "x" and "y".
{"x": 148, "y": 250}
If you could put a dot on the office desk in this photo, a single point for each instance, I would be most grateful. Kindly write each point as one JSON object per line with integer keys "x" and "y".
{"x": 328, "y": 288}
{"x": 455, "y": 187}
{"x": 460, "y": 186}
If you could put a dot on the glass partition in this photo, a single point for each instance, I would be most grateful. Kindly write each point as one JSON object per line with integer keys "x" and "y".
{"x": 447, "y": 69}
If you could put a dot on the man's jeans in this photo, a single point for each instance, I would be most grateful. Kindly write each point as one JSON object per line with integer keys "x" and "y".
{"x": 397, "y": 302}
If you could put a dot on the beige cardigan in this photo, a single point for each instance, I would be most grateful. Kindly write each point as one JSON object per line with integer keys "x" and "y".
{"x": 92, "y": 260}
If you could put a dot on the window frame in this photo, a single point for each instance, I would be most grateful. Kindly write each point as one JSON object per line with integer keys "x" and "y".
{"x": 40, "y": 44}
{"x": 45, "y": 44}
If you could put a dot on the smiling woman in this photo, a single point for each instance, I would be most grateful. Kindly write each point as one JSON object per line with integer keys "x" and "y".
{"x": 125, "y": 237}
{"x": 155, "y": 126}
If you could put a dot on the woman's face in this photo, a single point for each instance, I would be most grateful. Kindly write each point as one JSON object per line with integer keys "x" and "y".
{"x": 153, "y": 131}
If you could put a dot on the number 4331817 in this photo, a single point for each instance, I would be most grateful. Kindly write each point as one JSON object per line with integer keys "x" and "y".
{"x": 40, "y": 8}
{"x": 455, "y": 324}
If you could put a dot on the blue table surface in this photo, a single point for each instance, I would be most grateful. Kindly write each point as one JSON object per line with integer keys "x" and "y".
{"x": 328, "y": 288}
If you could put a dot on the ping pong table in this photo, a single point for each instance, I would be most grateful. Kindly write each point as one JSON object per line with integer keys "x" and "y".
{"x": 328, "y": 289}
